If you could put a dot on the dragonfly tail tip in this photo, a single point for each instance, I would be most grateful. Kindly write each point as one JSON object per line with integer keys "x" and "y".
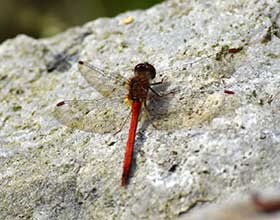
{"x": 124, "y": 181}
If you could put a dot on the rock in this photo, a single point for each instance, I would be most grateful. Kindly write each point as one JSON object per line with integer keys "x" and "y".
{"x": 226, "y": 145}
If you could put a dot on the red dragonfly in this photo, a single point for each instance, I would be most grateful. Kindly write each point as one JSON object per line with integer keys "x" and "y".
{"x": 109, "y": 113}
{"x": 106, "y": 116}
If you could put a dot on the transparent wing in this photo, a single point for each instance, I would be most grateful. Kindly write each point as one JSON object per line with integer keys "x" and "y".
{"x": 107, "y": 84}
{"x": 189, "y": 110}
{"x": 94, "y": 115}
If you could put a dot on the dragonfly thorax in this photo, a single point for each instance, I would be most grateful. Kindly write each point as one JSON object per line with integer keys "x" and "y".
{"x": 138, "y": 87}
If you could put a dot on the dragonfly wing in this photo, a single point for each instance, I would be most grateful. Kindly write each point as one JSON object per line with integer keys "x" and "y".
{"x": 177, "y": 112}
{"x": 94, "y": 115}
{"x": 107, "y": 84}
{"x": 164, "y": 115}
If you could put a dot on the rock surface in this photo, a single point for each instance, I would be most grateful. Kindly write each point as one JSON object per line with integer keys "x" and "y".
{"x": 228, "y": 147}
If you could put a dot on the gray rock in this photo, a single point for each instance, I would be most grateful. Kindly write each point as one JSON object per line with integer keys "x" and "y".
{"x": 225, "y": 145}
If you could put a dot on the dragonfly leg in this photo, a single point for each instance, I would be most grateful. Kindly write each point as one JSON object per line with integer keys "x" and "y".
{"x": 161, "y": 95}
{"x": 164, "y": 79}
{"x": 160, "y": 82}
{"x": 156, "y": 83}
{"x": 156, "y": 93}
{"x": 122, "y": 125}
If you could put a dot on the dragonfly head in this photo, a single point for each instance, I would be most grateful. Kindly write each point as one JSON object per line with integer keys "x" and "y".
{"x": 145, "y": 68}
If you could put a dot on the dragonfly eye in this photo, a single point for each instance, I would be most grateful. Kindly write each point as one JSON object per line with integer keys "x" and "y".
{"x": 145, "y": 68}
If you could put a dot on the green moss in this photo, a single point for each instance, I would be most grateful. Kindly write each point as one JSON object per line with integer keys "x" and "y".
{"x": 16, "y": 108}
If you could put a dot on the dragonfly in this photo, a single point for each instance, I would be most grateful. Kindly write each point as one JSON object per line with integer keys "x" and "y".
{"x": 105, "y": 116}
{"x": 121, "y": 97}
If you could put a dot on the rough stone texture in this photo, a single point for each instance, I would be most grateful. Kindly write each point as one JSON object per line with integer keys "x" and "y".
{"x": 229, "y": 147}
